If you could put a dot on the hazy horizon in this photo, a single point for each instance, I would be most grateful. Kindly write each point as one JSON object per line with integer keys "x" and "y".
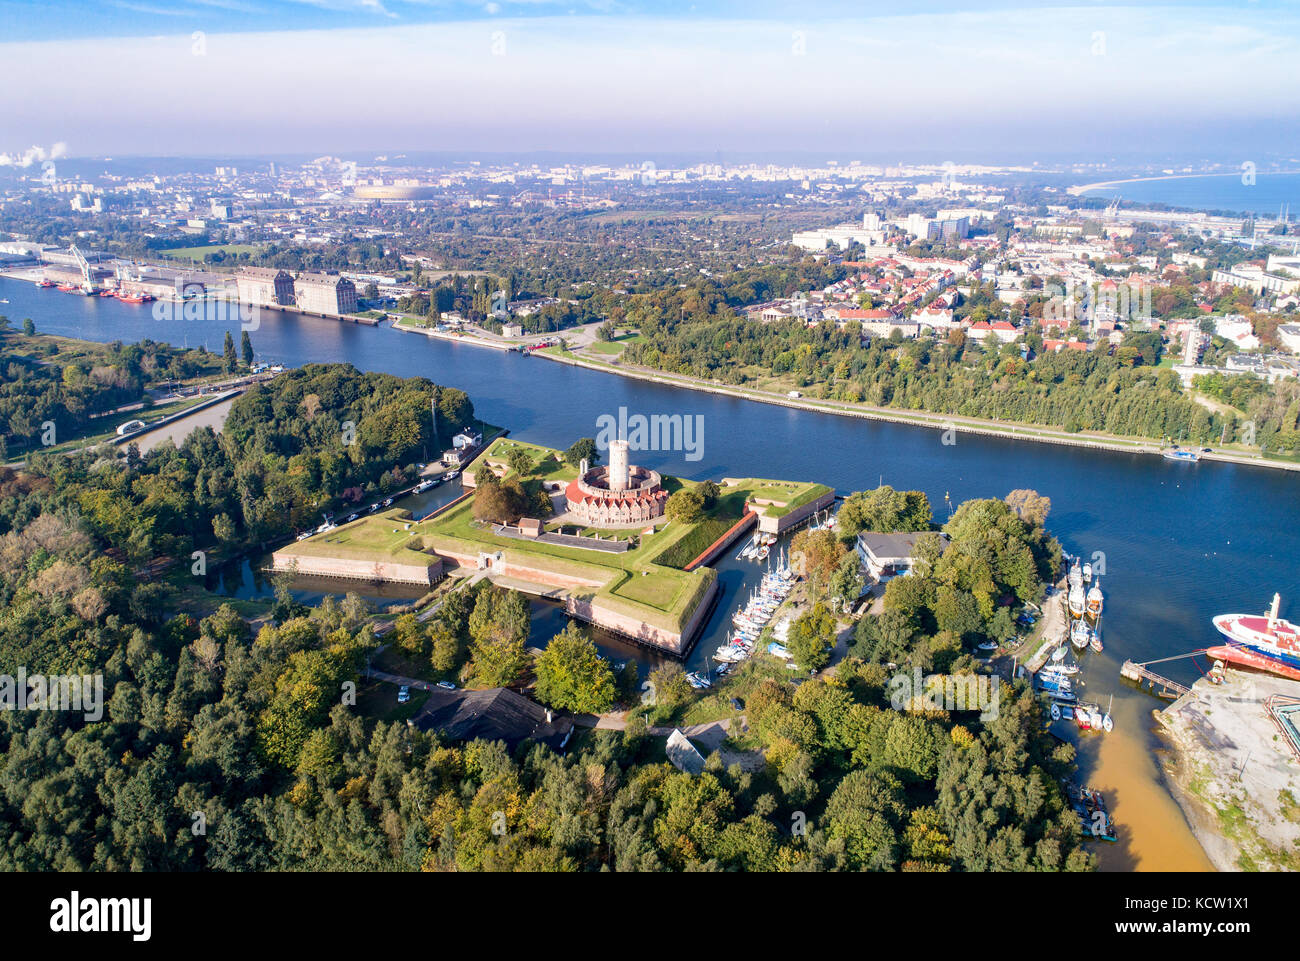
{"x": 229, "y": 78}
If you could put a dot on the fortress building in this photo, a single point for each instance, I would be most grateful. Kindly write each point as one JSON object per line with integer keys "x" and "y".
{"x": 620, "y": 495}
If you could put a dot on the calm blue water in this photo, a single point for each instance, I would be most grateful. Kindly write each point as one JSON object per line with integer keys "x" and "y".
{"x": 1265, "y": 196}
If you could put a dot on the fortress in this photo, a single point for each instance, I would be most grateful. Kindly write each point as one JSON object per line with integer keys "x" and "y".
{"x": 620, "y": 495}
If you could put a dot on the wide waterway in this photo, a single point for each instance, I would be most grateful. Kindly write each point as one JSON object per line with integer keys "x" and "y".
{"x": 1181, "y": 542}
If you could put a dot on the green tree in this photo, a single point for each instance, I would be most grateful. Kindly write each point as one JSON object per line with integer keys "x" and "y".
{"x": 583, "y": 449}
{"x": 572, "y": 675}
{"x": 520, "y": 461}
{"x": 498, "y": 630}
{"x": 246, "y": 348}
{"x": 228, "y": 354}
{"x": 812, "y": 638}
{"x": 884, "y": 511}
{"x": 686, "y": 506}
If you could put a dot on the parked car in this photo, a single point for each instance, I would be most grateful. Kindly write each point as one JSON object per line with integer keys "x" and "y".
{"x": 403, "y": 694}
{"x": 447, "y": 685}
{"x": 352, "y": 517}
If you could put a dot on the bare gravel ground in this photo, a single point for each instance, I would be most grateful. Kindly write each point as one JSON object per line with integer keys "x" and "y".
{"x": 1233, "y": 774}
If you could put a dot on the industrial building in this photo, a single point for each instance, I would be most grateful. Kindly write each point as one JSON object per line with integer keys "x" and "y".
{"x": 326, "y": 294}
{"x": 265, "y": 287}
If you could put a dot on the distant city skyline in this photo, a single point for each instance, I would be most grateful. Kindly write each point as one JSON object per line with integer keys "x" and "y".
{"x": 252, "y": 77}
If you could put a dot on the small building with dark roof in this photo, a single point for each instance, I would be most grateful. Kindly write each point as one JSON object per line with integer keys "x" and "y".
{"x": 497, "y": 714}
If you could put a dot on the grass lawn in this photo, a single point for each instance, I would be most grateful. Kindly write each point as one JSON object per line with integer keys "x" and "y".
{"x": 547, "y": 464}
{"x": 378, "y": 700}
{"x": 372, "y": 537}
{"x": 198, "y": 253}
{"x": 393, "y": 660}
{"x": 633, "y": 581}
{"x": 784, "y": 496}
{"x": 613, "y": 347}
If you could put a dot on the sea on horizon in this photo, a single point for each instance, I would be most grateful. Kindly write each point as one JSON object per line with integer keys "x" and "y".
{"x": 1266, "y": 196}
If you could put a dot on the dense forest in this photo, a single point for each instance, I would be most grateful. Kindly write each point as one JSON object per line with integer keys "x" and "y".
{"x": 228, "y": 746}
{"x": 1122, "y": 393}
{"x": 72, "y": 384}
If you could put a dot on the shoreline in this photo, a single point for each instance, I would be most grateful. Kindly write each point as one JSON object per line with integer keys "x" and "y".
{"x": 1080, "y": 189}
{"x": 965, "y": 425}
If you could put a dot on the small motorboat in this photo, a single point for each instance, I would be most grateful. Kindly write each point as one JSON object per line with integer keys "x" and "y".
{"x": 1095, "y": 600}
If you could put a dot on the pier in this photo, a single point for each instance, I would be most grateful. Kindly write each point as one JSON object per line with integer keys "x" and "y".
{"x": 1140, "y": 674}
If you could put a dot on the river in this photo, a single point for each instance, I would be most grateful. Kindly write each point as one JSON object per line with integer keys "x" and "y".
{"x": 1180, "y": 542}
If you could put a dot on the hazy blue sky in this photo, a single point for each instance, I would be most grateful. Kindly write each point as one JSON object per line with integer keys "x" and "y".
{"x": 229, "y": 77}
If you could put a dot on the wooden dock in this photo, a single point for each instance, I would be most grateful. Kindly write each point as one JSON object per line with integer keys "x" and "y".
{"x": 1140, "y": 674}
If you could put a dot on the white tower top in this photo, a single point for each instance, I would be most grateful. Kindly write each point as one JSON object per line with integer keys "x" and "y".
{"x": 618, "y": 470}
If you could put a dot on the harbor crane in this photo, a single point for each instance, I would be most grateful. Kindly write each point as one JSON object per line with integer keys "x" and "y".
{"x": 84, "y": 264}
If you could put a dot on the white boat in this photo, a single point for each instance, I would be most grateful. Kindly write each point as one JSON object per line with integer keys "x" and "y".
{"x": 1095, "y": 600}
{"x": 1076, "y": 575}
{"x": 1076, "y": 602}
{"x": 779, "y": 650}
{"x": 1087, "y": 573}
{"x": 1059, "y": 653}
{"x": 1060, "y": 678}
{"x": 1056, "y": 685}
{"x": 1080, "y": 635}
{"x": 698, "y": 681}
